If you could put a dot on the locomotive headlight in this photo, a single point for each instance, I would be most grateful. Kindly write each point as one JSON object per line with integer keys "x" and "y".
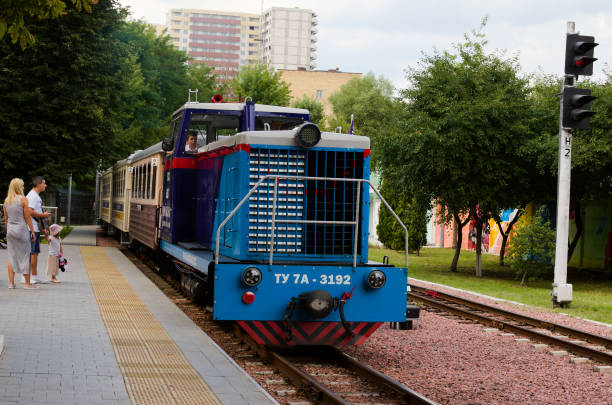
{"x": 376, "y": 279}
{"x": 308, "y": 135}
{"x": 251, "y": 276}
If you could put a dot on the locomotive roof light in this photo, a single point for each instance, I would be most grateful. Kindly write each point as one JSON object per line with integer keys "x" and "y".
{"x": 251, "y": 276}
{"x": 308, "y": 135}
{"x": 376, "y": 279}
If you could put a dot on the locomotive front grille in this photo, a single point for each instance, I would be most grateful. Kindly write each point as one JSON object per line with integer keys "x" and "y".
{"x": 312, "y": 200}
{"x": 289, "y": 202}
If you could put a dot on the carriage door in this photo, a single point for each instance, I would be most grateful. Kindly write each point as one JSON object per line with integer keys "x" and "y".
{"x": 165, "y": 214}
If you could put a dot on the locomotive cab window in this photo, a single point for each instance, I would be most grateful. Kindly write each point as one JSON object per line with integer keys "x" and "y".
{"x": 277, "y": 123}
{"x": 211, "y": 128}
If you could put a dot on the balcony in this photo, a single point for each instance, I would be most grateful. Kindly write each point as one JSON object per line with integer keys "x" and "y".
{"x": 314, "y": 21}
{"x": 313, "y": 31}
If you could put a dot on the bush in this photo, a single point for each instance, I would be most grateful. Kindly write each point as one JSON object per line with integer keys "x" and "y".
{"x": 532, "y": 246}
{"x": 413, "y": 215}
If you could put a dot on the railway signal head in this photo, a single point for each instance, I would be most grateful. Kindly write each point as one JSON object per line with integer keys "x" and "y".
{"x": 577, "y": 107}
{"x": 579, "y": 51}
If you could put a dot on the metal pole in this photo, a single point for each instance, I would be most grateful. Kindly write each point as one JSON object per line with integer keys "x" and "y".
{"x": 96, "y": 198}
{"x": 561, "y": 291}
{"x": 69, "y": 200}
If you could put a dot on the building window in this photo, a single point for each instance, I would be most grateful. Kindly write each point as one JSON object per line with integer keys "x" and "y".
{"x": 319, "y": 94}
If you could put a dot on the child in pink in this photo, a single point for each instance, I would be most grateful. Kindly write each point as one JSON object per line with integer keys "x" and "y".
{"x": 55, "y": 252}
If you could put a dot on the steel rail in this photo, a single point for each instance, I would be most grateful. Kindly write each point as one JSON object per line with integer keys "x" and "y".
{"x": 297, "y": 376}
{"x": 540, "y": 323}
{"x": 598, "y": 355}
{"x": 411, "y": 397}
{"x": 331, "y": 354}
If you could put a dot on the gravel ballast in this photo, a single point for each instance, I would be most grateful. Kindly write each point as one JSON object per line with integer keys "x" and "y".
{"x": 455, "y": 362}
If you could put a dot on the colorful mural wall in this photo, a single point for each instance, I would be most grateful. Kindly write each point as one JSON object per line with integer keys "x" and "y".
{"x": 594, "y": 249}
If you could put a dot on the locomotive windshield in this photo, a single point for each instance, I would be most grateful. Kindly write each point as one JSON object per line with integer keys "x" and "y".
{"x": 210, "y": 128}
{"x": 276, "y": 123}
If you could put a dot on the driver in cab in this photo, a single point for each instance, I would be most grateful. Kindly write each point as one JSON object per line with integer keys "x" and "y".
{"x": 191, "y": 146}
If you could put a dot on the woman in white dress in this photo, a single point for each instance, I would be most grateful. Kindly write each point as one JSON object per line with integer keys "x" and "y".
{"x": 18, "y": 238}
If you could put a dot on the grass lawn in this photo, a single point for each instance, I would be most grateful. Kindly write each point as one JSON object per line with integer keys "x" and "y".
{"x": 592, "y": 298}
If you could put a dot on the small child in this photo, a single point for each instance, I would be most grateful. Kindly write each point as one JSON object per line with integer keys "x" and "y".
{"x": 55, "y": 252}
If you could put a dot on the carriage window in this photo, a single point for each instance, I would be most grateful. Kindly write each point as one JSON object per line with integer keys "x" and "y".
{"x": 139, "y": 191}
{"x": 133, "y": 182}
{"x": 148, "y": 180}
{"x": 153, "y": 180}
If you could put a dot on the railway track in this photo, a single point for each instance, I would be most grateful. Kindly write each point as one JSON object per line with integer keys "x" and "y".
{"x": 332, "y": 377}
{"x": 322, "y": 374}
{"x": 595, "y": 347}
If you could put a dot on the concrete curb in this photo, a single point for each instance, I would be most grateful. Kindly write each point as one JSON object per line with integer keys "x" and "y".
{"x": 1, "y": 344}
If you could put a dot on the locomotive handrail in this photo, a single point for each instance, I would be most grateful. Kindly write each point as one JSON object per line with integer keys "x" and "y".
{"x": 304, "y": 221}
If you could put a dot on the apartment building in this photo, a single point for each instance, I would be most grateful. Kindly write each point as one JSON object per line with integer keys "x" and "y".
{"x": 223, "y": 40}
{"x": 289, "y": 38}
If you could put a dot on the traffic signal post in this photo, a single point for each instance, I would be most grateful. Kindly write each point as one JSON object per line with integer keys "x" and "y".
{"x": 574, "y": 114}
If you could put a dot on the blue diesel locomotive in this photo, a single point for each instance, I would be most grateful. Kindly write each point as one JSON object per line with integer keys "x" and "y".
{"x": 267, "y": 223}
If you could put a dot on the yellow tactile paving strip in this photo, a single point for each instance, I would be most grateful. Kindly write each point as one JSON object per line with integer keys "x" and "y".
{"x": 153, "y": 367}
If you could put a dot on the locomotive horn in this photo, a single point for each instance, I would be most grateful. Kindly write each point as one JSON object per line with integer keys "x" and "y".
{"x": 217, "y": 98}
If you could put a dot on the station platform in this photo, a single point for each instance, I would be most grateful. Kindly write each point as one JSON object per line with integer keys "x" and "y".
{"x": 107, "y": 335}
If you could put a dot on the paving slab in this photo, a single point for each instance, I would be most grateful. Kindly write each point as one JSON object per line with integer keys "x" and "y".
{"x": 55, "y": 339}
{"x": 82, "y": 235}
{"x": 58, "y": 351}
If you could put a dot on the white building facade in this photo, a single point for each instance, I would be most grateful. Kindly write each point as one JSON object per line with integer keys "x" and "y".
{"x": 289, "y": 38}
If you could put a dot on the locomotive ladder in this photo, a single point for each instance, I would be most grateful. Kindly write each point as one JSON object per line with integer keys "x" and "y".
{"x": 274, "y": 220}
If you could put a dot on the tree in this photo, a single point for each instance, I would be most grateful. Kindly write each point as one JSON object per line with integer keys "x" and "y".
{"x": 314, "y": 106}
{"x": 414, "y": 214}
{"x": 16, "y": 16}
{"x": 532, "y": 248}
{"x": 60, "y": 96}
{"x": 463, "y": 125}
{"x": 370, "y": 101}
{"x": 591, "y": 148}
{"x": 262, "y": 84}
{"x": 200, "y": 76}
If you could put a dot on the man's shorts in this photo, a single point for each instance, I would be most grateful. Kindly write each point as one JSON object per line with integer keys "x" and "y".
{"x": 35, "y": 246}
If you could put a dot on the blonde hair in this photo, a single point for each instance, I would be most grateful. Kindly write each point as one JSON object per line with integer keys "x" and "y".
{"x": 15, "y": 191}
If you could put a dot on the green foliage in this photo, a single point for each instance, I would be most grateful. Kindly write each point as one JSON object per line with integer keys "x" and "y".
{"x": 314, "y": 106}
{"x": 262, "y": 84}
{"x": 60, "y": 96}
{"x": 370, "y": 100}
{"x": 461, "y": 126}
{"x": 200, "y": 76}
{"x": 156, "y": 80}
{"x": 16, "y": 16}
{"x": 412, "y": 212}
{"x": 532, "y": 247}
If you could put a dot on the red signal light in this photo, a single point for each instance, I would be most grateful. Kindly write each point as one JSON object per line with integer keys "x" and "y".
{"x": 580, "y": 63}
{"x": 248, "y": 297}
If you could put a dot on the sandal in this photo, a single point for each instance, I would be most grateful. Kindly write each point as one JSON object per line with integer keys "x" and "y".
{"x": 54, "y": 281}
{"x": 11, "y": 286}
{"x": 30, "y": 287}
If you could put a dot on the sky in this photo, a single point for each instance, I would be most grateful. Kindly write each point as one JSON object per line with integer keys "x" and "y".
{"x": 386, "y": 37}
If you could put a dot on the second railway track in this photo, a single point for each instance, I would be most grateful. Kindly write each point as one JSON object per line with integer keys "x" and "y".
{"x": 596, "y": 347}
